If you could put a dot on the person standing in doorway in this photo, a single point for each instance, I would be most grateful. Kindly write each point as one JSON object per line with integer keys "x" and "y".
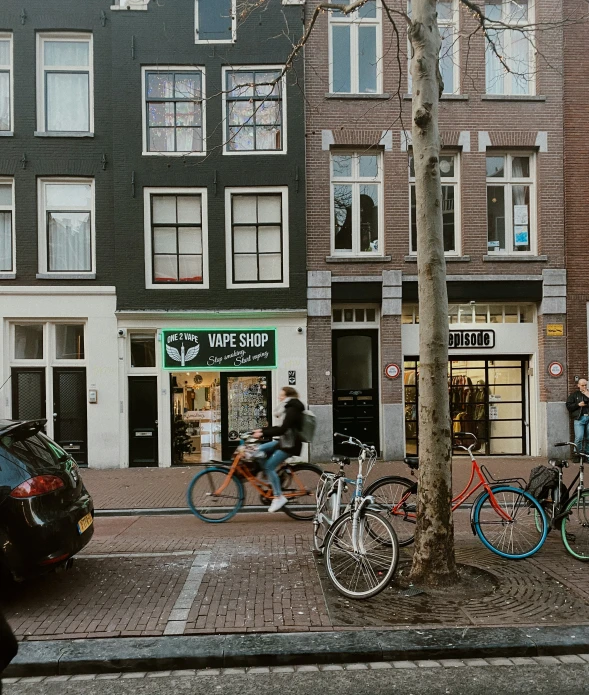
{"x": 289, "y": 442}
{"x": 578, "y": 406}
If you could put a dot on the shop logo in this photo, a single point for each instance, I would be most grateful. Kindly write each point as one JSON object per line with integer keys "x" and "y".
{"x": 181, "y": 355}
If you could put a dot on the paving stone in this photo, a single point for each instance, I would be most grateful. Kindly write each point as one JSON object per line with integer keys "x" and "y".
{"x": 307, "y": 669}
{"x": 332, "y": 667}
{"x": 135, "y": 674}
{"x": 210, "y": 672}
{"x": 356, "y": 667}
{"x": 500, "y": 661}
{"x": 159, "y": 674}
{"x": 404, "y": 664}
{"x": 56, "y": 679}
{"x": 259, "y": 669}
{"x": 452, "y": 663}
{"x": 185, "y": 672}
{"x": 428, "y": 664}
{"x": 476, "y": 662}
{"x": 108, "y": 676}
{"x": 570, "y": 659}
{"x": 282, "y": 669}
{"x": 376, "y": 665}
{"x": 523, "y": 661}
{"x": 90, "y": 676}
{"x": 546, "y": 660}
{"x": 233, "y": 671}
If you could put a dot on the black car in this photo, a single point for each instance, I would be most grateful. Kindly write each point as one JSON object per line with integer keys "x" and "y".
{"x": 46, "y": 513}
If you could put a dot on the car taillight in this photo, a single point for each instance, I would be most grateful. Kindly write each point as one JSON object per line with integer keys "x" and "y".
{"x": 39, "y": 485}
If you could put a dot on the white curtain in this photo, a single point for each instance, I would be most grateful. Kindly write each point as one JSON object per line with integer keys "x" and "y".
{"x": 69, "y": 241}
{"x": 4, "y": 101}
{"x": 5, "y": 241}
{"x": 67, "y": 102}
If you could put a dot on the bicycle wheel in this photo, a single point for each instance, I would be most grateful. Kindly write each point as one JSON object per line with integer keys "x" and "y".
{"x": 366, "y": 571}
{"x": 397, "y": 497}
{"x": 301, "y": 477}
{"x": 210, "y": 507}
{"x": 575, "y": 527}
{"x": 517, "y": 536}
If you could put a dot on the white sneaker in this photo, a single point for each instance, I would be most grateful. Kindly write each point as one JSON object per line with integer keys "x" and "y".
{"x": 277, "y": 503}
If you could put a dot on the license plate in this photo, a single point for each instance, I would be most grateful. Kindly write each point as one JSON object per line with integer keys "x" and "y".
{"x": 85, "y": 523}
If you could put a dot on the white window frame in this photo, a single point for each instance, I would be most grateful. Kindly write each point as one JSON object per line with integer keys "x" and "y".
{"x": 4, "y": 180}
{"x": 130, "y": 5}
{"x": 455, "y": 23}
{"x": 283, "y": 191}
{"x": 508, "y": 182}
{"x": 446, "y": 181}
{"x": 172, "y": 68}
{"x": 508, "y": 77}
{"x": 254, "y": 68}
{"x": 42, "y": 182}
{"x": 161, "y": 190}
{"x": 233, "y": 26}
{"x": 354, "y": 21}
{"x": 355, "y": 181}
{"x": 351, "y": 325}
{"x": 41, "y": 95}
{"x": 5, "y": 36}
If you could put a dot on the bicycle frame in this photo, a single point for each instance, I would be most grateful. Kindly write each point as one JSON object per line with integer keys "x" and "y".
{"x": 558, "y": 505}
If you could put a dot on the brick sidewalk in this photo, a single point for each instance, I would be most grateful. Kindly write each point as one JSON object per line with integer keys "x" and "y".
{"x": 150, "y": 576}
{"x": 157, "y": 488}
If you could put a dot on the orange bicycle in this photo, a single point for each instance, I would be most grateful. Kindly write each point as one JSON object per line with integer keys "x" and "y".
{"x": 217, "y": 493}
{"x": 508, "y": 520}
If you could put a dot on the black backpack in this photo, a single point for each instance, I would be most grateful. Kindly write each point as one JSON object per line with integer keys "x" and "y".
{"x": 542, "y": 481}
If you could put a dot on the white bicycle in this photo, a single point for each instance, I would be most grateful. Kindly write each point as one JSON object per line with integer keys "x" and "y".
{"x": 360, "y": 546}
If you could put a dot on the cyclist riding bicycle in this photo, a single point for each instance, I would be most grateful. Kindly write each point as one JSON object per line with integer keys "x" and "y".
{"x": 289, "y": 442}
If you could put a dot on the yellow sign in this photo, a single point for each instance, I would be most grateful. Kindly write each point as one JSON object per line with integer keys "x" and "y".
{"x": 555, "y": 329}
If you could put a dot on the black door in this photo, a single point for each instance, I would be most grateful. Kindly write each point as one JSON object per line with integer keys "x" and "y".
{"x": 355, "y": 387}
{"x": 246, "y": 405}
{"x": 28, "y": 394}
{"x": 70, "y": 427}
{"x": 143, "y": 448}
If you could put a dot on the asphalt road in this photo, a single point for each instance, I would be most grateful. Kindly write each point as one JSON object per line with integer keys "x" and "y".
{"x": 570, "y": 678}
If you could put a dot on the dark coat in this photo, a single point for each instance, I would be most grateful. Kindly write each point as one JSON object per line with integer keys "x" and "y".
{"x": 8, "y": 645}
{"x": 573, "y": 404}
{"x": 293, "y": 421}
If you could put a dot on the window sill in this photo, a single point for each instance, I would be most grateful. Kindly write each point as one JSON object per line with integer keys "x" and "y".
{"x": 357, "y": 259}
{"x": 142, "y": 8}
{"x": 504, "y": 258}
{"x": 343, "y": 95}
{"x": 512, "y": 97}
{"x": 66, "y": 276}
{"x": 444, "y": 97}
{"x": 449, "y": 259}
{"x": 6, "y": 133}
{"x": 7, "y": 276}
{"x": 63, "y": 134}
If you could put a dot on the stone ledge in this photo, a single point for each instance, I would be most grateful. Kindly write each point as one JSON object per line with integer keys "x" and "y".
{"x": 449, "y": 259}
{"x": 512, "y": 97}
{"x": 489, "y": 258}
{"x": 358, "y": 259}
{"x": 343, "y": 95}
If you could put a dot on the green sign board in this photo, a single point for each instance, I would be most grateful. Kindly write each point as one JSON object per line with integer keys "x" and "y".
{"x": 219, "y": 349}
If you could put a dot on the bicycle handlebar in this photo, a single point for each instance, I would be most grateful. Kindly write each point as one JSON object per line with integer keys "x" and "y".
{"x": 352, "y": 440}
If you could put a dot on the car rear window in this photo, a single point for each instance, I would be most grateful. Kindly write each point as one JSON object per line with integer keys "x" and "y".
{"x": 37, "y": 450}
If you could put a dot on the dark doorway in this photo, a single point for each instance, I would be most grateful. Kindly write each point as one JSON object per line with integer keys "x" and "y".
{"x": 28, "y": 394}
{"x": 246, "y": 404}
{"x": 355, "y": 387}
{"x": 69, "y": 412}
{"x": 143, "y": 434}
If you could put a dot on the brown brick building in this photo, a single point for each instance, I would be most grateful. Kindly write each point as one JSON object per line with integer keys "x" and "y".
{"x": 503, "y": 188}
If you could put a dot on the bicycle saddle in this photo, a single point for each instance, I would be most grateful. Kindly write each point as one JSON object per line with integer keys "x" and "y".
{"x": 341, "y": 459}
{"x": 412, "y": 462}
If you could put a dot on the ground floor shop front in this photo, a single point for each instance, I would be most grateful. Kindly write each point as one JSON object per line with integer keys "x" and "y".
{"x": 132, "y": 389}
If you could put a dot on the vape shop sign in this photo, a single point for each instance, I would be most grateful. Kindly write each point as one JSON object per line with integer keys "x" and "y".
{"x": 204, "y": 348}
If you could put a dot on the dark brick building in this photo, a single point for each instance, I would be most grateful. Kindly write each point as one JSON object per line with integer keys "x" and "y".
{"x": 152, "y": 222}
{"x": 502, "y": 178}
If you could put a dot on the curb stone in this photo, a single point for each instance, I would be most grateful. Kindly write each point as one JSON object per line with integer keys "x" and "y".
{"x": 149, "y": 654}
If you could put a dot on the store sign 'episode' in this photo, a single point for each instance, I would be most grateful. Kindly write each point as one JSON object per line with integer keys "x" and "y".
{"x": 203, "y": 348}
{"x": 471, "y": 339}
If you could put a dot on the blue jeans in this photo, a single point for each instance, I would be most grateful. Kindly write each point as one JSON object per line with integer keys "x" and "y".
{"x": 582, "y": 433}
{"x": 275, "y": 458}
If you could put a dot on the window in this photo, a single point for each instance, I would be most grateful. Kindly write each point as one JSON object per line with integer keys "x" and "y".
{"x": 449, "y": 166}
{"x": 215, "y": 21}
{"x": 257, "y": 237}
{"x": 28, "y": 341}
{"x": 176, "y": 237}
{"x": 449, "y": 59}
{"x": 514, "y": 46}
{"x": 174, "y": 113}
{"x": 477, "y": 313}
{"x": 66, "y": 225}
{"x": 6, "y": 83}
{"x": 142, "y": 350}
{"x": 356, "y": 192}
{"x": 65, "y": 91}
{"x": 254, "y": 110}
{"x": 6, "y": 225}
{"x": 356, "y": 50}
{"x": 356, "y": 314}
{"x": 510, "y": 209}
{"x": 69, "y": 341}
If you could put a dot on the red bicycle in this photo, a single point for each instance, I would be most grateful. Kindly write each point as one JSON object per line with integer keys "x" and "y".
{"x": 508, "y": 520}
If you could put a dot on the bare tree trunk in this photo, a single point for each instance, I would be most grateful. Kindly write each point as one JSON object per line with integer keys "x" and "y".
{"x": 433, "y": 559}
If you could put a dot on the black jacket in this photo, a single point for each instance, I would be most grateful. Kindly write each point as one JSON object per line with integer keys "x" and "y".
{"x": 8, "y": 645}
{"x": 293, "y": 420}
{"x": 573, "y": 404}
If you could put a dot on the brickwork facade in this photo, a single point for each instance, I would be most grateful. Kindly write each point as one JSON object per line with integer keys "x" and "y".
{"x": 473, "y": 124}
